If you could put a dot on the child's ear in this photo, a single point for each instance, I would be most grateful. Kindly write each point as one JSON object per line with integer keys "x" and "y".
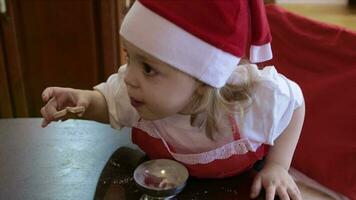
{"x": 201, "y": 88}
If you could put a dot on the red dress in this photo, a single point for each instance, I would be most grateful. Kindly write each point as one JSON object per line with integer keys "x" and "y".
{"x": 157, "y": 148}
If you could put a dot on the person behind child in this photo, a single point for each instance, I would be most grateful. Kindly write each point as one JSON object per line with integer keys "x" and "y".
{"x": 188, "y": 96}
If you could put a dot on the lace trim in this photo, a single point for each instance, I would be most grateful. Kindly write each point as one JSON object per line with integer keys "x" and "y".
{"x": 239, "y": 147}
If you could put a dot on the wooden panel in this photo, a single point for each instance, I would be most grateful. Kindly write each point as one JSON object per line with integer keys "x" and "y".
{"x": 13, "y": 64}
{"x": 123, "y": 7}
{"x": 352, "y": 3}
{"x": 63, "y": 43}
{"x": 109, "y": 36}
{"x": 5, "y": 101}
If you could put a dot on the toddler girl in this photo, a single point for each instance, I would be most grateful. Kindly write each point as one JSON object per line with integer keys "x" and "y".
{"x": 187, "y": 95}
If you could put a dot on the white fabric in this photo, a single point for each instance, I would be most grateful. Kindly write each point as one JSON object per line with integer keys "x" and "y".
{"x": 260, "y": 53}
{"x": 181, "y": 136}
{"x": 177, "y": 47}
{"x": 274, "y": 100}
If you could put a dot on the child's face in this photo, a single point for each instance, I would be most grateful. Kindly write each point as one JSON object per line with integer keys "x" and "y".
{"x": 156, "y": 89}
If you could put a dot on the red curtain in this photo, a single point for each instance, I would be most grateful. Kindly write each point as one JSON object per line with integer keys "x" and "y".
{"x": 321, "y": 58}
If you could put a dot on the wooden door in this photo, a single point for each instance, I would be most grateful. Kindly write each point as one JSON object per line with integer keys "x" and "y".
{"x": 67, "y": 43}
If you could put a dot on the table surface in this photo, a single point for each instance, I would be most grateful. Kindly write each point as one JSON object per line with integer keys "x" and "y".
{"x": 79, "y": 159}
{"x": 62, "y": 161}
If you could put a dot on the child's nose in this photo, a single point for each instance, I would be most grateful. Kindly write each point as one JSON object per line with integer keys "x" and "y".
{"x": 130, "y": 79}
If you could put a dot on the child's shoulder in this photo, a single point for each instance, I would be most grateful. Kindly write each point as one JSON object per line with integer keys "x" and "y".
{"x": 274, "y": 99}
{"x": 270, "y": 84}
{"x": 268, "y": 79}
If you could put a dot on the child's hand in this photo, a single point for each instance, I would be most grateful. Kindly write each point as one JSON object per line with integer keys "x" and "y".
{"x": 63, "y": 102}
{"x": 277, "y": 182}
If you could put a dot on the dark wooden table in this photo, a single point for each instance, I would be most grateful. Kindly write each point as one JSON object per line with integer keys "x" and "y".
{"x": 79, "y": 159}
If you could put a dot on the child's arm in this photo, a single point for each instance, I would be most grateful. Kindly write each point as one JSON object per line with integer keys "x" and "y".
{"x": 274, "y": 176}
{"x": 97, "y": 109}
{"x": 282, "y": 151}
{"x": 92, "y": 105}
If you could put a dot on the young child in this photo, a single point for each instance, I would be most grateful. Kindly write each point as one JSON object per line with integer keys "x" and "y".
{"x": 187, "y": 98}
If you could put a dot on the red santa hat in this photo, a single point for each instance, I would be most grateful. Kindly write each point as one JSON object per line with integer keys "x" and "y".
{"x": 205, "y": 39}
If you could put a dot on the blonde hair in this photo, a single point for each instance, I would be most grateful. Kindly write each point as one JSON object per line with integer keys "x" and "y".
{"x": 214, "y": 105}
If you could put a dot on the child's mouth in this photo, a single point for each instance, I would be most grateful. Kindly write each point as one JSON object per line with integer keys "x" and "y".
{"x": 135, "y": 103}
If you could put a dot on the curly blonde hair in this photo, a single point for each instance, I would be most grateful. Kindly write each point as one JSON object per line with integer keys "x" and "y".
{"x": 212, "y": 106}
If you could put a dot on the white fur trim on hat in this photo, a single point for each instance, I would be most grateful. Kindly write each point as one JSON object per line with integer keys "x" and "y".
{"x": 177, "y": 47}
{"x": 260, "y": 53}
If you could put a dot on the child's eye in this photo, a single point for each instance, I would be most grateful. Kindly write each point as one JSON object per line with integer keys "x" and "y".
{"x": 148, "y": 70}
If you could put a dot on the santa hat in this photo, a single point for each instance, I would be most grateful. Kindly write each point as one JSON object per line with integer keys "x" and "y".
{"x": 205, "y": 39}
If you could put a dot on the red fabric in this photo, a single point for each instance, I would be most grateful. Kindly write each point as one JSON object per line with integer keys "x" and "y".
{"x": 260, "y": 31}
{"x": 321, "y": 58}
{"x": 231, "y": 166}
{"x": 224, "y": 24}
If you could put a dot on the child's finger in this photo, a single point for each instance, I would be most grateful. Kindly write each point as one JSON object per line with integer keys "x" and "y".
{"x": 270, "y": 192}
{"x": 282, "y": 193}
{"x": 44, "y": 123}
{"x": 47, "y": 94}
{"x": 294, "y": 194}
{"x": 256, "y": 187}
{"x": 51, "y": 107}
{"x": 45, "y": 117}
{"x": 48, "y": 110}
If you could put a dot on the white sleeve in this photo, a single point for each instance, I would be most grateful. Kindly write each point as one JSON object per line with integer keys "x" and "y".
{"x": 121, "y": 112}
{"x": 273, "y": 102}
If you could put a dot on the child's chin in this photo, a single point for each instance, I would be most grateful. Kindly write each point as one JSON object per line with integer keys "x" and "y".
{"x": 151, "y": 117}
